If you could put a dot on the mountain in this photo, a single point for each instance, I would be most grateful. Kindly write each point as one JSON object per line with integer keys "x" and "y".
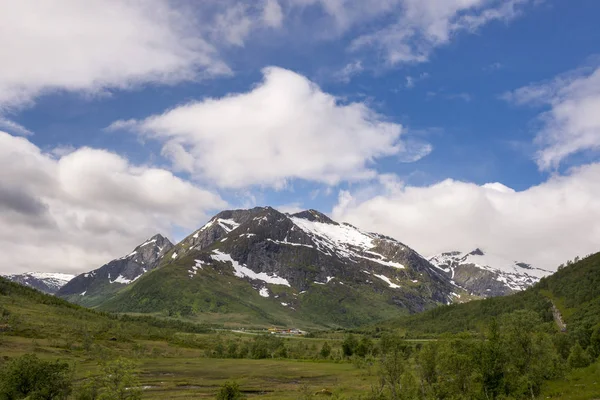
{"x": 487, "y": 275}
{"x": 261, "y": 266}
{"x": 91, "y": 288}
{"x": 573, "y": 290}
{"x": 47, "y": 282}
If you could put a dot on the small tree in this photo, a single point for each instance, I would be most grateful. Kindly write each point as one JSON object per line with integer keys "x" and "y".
{"x": 364, "y": 347}
{"x": 349, "y": 345}
{"x": 230, "y": 391}
{"x": 118, "y": 381}
{"x": 578, "y": 358}
{"x": 325, "y": 350}
{"x": 594, "y": 347}
{"x": 35, "y": 379}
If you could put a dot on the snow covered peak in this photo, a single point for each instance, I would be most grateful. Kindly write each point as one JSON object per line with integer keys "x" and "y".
{"x": 47, "y": 282}
{"x": 56, "y": 276}
{"x": 467, "y": 268}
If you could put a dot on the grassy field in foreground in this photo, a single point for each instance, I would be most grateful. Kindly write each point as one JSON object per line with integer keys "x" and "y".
{"x": 262, "y": 379}
{"x": 183, "y": 373}
{"x": 579, "y": 384}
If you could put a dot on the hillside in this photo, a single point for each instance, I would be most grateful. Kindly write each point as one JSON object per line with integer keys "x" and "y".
{"x": 264, "y": 266}
{"x": 27, "y": 312}
{"x": 574, "y": 289}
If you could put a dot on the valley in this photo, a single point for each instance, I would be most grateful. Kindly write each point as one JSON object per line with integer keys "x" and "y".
{"x": 367, "y": 315}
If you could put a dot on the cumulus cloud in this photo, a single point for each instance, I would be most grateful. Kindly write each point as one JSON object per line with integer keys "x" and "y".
{"x": 284, "y": 128}
{"x": 572, "y": 122}
{"x": 544, "y": 225}
{"x": 73, "y": 212}
{"x": 95, "y": 45}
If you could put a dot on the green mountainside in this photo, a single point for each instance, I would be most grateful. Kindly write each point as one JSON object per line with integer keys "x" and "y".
{"x": 574, "y": 290}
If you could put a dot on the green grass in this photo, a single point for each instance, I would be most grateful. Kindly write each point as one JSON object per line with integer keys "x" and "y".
{"x": 579, "y": 384}
{"x": 175, "y": 372}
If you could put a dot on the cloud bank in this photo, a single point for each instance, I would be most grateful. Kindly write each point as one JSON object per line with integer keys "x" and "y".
{"x": 543, "y": 225}
{"x": 74, "y": 212}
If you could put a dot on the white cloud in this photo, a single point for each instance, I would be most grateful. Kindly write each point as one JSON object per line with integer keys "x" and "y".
{"x": 345, "y": 14}
{"x": 233, "y": 24}
{"x": 291, "y": 208}
{"x": 544, "y": 225}
{"x": 95, "y": 45}
{"x": 422, "y": 25}
{"x": 572, "y": 123}
{"x": 284, "y": 128}
{"x": 272, "y": 13}
{"x": 87, "y": 206}
{"x": 411, "y": 81}
{"x": 350, "y": 70}
{"x": 14, "y": 127}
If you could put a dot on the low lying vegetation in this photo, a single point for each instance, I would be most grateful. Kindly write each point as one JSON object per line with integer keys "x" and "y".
{"x": 508, "y": 348}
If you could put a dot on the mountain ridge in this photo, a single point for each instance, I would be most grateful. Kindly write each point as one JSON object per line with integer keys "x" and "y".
{"x": 487, "y": 275}
{"x": 90, "y": 288}
{"x": 301, "y": 267}
{"x": 46, "y": 282}
{"x": 283, "y": 268}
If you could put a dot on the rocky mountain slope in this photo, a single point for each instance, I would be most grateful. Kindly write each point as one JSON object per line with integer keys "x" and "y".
{"x": 47, "y": 282}
{"x": 261, "y": 265}
{"x": 487, "y": 275}
{"x": 94, "y": 287}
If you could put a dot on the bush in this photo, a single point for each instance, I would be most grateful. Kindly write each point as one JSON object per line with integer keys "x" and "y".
{"x": 578, "y": 358}
{"x": 117, "y": 381}
{"x": 230, "y": 391}
{"x": 349, "y": 345}
{"x": 35, "y": 379}
{"x": 325, "y": 350}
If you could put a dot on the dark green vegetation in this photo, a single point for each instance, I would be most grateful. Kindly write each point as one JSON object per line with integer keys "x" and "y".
{"x": 32, "y": 378}
{"x": 501, "y": 348}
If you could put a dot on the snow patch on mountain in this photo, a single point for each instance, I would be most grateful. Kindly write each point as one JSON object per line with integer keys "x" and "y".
{"x": 344, "y": 240}
{"x": 241, "y": 271}
{"x": 227, "y": 224}
{"x": 387, "y": 280}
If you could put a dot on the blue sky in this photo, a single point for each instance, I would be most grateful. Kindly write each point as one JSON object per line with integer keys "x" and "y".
{"x": 395, "y": 115}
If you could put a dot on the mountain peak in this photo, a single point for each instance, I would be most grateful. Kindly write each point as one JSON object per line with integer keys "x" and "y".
{"x": 47, "y": 282}
{"x": 477, "y": 252}
{"x": 314, "y": 216}
{"x": 122, "y": 271}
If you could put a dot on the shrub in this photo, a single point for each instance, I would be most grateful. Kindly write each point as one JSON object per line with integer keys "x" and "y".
{"x": 35, "y": 379}
{"x": 578, "y": 358}
{"x": 230, "y": 391}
